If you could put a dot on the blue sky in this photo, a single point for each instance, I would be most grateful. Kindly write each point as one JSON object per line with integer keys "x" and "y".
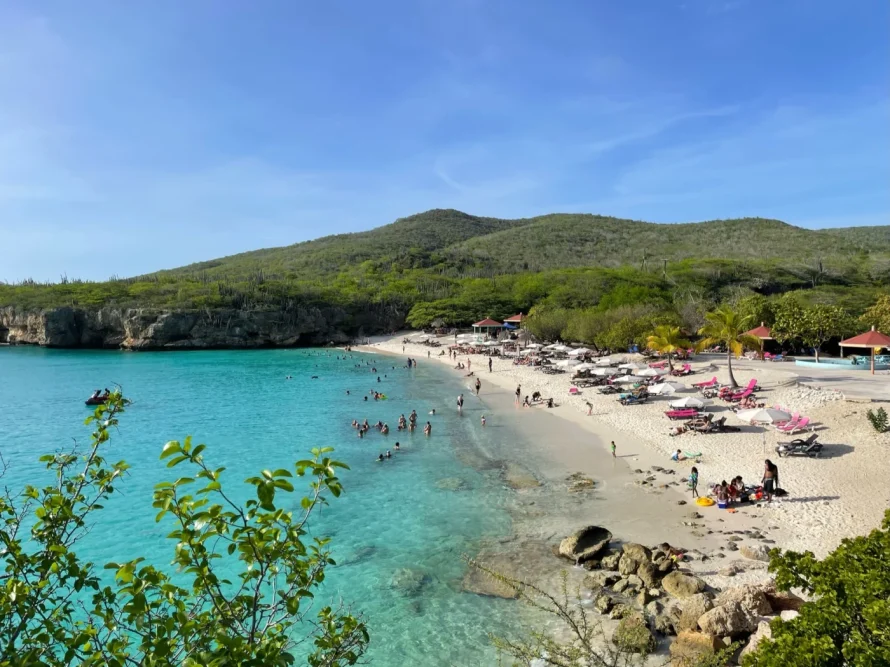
{"x": 140, "y": 136}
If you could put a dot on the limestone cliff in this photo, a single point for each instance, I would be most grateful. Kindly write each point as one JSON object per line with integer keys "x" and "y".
{"x": 143, "y": 329}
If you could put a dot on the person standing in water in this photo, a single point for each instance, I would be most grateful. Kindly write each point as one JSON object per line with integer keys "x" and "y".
{"x": 518, "y": 392}
{"x": 428, "y": 429}
{"x": 483, "y": 420}
{"x": 613, "y": 448}
{"x": 478, "y": 385}
{"x": 460, "y": 404}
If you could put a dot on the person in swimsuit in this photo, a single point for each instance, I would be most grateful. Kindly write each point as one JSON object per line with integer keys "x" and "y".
{"x": 428, "y": 429}
{"x": 478, "y": 386}
{"x": 693, "y": 482}
{"x": 770, "y": 480}
{"x": 483, "y": 420}
{"x": 518, "y": 392}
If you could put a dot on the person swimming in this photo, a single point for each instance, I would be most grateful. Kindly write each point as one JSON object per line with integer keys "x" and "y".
{"x": 380, "y": 458}
{"x": 397, "y": 447}
{"x": 388, "y": 454}
{"x": 433, "y": 411}
{"x": 385, "y": 430}
{"x": 483, "y": 420}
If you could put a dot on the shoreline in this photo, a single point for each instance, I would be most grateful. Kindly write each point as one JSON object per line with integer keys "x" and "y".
{"x": 839, "y": 495}
{"x": 561, "y": 443}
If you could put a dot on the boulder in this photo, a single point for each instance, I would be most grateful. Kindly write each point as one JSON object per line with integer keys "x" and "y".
{"x": 634, "y": 581}
{"x": 648, "y": 574}
{"x": 755, "y": 552}
{"x": 738, "y": 566}
{"x": 682, "y": 585}
{"x": 627, "y": 564}
{"x": 781, "y": 600}
{"x": 728, "y": 620}
{"x": 620, "y": 586}
{"x": 752, "y": 599}
{"x": 632, "y": 634}
{"x": 694, "y": 607}
{"x": 619, "y": 611}
{"x": 642, "y": 599}
{"x": 601, "y": 579}
{"x": 585, "y": 544}
{"x": 763, "y": 632}
{"x": 637, "y": 551}
{"x": 610, "y": 561}
{"x": 690, "y": 647}
{"x": 665, "y": 565}
{"x": 603, "y": 604}
{"x": 664, "y": 625}
{"x": 653, "y": 608}
{"x": 480, "y": 582}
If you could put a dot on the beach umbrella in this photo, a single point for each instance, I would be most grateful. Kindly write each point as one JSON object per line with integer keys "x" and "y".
{"x": 553, "y": 347}
{"x": 584, "y": 367}
{"x": 533, "y": 346}
{"x": 764, "y": 416}
{"x": 872, "y": 340}
{"x": 665, "y": 388}
{"x": 568, "y": 363}
{"x": 650, "y": 372}
{"x": 625, "y": 379}
{"x": 633, "y": 366}
{"x": 603, "y": 371}
{"x": 603, "y": 362}
{"x": 528, "y": 353}
{"x": 580, "y": 351}
{"x": 689, "y": 402}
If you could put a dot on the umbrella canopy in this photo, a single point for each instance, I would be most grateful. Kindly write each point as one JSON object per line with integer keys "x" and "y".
{"x": 762, "y": 332}
{"x": 528, "y": 353}
{"x": 689, "y": 402}
{"x": 604, "y": 362}
{"x": 568, "y": 363}
{"x": 764, "y": 416}
{"x": 625, "y": 379}
{"x": 650, "y": 372}
{"x": 533, "y": 346}
{"x": 584, "y": 367}
{"x": 559, "y": 347}
{"x": 578, "y": 352}
{"x": 603, "y": 371}
{"x": 870, "y": 339}
{"x": 633, "y": 366}
{"x": 666, "y": 388}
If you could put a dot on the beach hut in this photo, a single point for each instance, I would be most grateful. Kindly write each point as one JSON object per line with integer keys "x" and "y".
{"x": 871, "y": 340}
{"x": 515, "y": 321}
{"x": 763, "y": 333}
{"x": 486, "y": 326}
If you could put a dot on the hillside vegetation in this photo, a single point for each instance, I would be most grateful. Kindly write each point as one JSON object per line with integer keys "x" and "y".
{"x": 445, "y": 265}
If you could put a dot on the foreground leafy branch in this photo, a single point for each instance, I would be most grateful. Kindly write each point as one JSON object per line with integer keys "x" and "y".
{"x": 56, "y": 610}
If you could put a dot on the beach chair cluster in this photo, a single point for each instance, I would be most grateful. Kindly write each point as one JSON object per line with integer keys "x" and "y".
{"x": 796, "y": 424}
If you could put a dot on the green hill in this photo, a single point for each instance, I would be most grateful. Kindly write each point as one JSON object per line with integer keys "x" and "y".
{"x": 449, "y": 265}
{"x": 454, "y": 242}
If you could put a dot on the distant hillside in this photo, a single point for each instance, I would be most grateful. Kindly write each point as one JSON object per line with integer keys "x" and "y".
{"x": 454, "y": 241}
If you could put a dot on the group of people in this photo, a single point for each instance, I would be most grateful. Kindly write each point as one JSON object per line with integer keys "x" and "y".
{"x": 100, "y": 395}
{"x": 736, "y": 491}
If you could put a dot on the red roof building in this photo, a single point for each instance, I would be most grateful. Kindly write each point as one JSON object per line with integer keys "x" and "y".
{"x": 487, "y": 323}
{"x": 516, "y": 319}
{"x": 870, "y": 339}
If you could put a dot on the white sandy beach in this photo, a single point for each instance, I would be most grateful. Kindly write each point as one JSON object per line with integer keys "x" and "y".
{"x": 842, "y": 494}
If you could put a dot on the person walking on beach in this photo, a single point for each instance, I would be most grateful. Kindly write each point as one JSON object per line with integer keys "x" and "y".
{"x": 483, "y": 420}
{"x": 489, "y": 364}
{"x": 478, "y": 386}
{"x": 518, "y": 392}
{"x": 613, "y": 448}
{"x": 693, "y": 482}
{"x": 469, "y": 363}
{"x": 770, "y": 480}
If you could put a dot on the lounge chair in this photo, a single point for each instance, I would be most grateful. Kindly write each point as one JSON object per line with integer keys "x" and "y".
{"x": 799, "y": 426}
{"x": 704, "y": 385}
{"x": 788, "y": 425}
{"x": 808, "y": 447}
{"x": 735, "y": 398}
{"x": 658, "y": 364}
{"x": 687, "y": 413}
{"x": 685, "y": 370}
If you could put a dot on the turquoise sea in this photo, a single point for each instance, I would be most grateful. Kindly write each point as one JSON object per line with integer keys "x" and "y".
{"x": 393, "y": 516}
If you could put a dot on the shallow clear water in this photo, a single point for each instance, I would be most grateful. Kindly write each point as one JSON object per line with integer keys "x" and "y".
{"x": 391, "y": 516}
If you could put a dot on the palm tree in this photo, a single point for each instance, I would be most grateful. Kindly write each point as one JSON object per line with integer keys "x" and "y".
{"x": 667, "y": 340}
{"x": 725, "y": 326}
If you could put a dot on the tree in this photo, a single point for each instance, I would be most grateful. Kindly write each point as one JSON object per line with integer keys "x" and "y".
{"x": 55, "y": 609}
{"x": 547, "y": 323}
{"x": 726, "y": 327}
{"x": 667, "y": 340}
{"x": 811, "y": 325}
{"x": 848, "y": 620}
{"x": 878, "y": 315}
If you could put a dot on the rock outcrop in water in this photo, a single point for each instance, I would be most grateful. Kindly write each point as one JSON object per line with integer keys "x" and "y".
{"x": 143, "y": 329}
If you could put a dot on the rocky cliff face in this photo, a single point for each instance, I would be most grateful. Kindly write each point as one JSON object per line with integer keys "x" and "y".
{"x": 141, "y": 329}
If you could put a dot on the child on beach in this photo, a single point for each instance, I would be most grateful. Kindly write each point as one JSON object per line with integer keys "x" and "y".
{"x": 483, "y": 420}
{"x": 613, "y": 448}
{"x": 693, "y": 482}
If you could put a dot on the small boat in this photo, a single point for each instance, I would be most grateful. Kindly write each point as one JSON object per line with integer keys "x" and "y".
{"x": 96, "y": 400}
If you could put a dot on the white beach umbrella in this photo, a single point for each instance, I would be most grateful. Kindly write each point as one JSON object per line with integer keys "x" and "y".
{"x": 603, "y": 362}
{"x": 633, "y": 366}
{"x": 578, "y": 352}
{"x": 528, "y": 353}
{"x": 665, "y": 388}
{"x": 764, "y": 416}
{"x": 584, "y": 367}
{"x": 568, "y": 363}
{"x": 603, "y": 371}
{"x": 625, "y": 379}
{"x": 650, "y": 372}
{"x": 532, "y": 346}
{"x": 561, "y": 348}
{"x": 689, "y": 402}
{"x": 553, "y": 347}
